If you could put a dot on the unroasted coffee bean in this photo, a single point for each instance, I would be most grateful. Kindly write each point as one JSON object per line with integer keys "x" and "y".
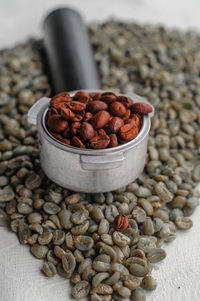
{"x": 75, "y": 278}
{"x": 49, "y": 269}
{"x": 39, "y": 251}
{"x": 103, "y": 227}
{"x": 131, "y": 282}
{"x": 45, "y": 238}
{"x": 164, "y": 194}
{"x": 96, "y": 297}
{"x": 6, "y": 194}
{"x": 100, "y": 266}
{"x": 51, "y": 208}
{"x": 147, "y": 243}
{"x": 24, "y": 208}
{"x": 36, "y": 227}
{"x": 59, "y": 252}
{"x": 24, "y": 232}
{"x": 68, "y": 263}
{"x": 80, "y": 229}
{"x": 58, "y": 237}
{"x": 103, "y": 289}
{"x": 79, "y": 216}
{"x": 124, "y": 291}
{"x": 139, "y": 268}
{"x": 81, "y": 289}
{"x": 88, "y": 273}
{"x": 52, "y": 258}
{"x": 149, "y": 283}
{"x": 183, "y": 223}
{"x": 73, "y": 198}
{"x": 35, "y": 217}
{"x": 139, "y": 214}
{"x": 98, "y": 278}
{"x": 108, "y": 250}
{"x": 113, "y": 278}
{"x": 69, "y": 241}
{"x": 62, "y": 273}
{"x": 83, "y": 243}
{"x": 138, "y": 295}
{"x": 33, "y": 181}
{"x": 118, "y": 267}
{"x": 4, "y": 219}
{"x": 156, "y": 255}
{"x": 120, "y": 239}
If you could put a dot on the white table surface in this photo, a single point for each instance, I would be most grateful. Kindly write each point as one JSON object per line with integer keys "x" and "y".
{"x": 178, "y": 276}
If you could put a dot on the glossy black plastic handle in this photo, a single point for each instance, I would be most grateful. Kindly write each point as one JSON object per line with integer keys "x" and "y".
{"x": 69, "y": 54}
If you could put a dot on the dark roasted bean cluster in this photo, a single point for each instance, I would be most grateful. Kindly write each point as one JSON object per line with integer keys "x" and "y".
{"x": 94, "y": 120}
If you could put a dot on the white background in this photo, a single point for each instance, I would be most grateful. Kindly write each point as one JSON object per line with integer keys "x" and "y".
{"x": 22, "y": 18}
{"x": 178, "y": 275}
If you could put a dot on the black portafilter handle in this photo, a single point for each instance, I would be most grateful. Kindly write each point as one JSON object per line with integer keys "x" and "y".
{"x": 69, "y": 53}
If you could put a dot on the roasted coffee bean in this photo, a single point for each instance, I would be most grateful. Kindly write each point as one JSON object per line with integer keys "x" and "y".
{"x": 87, "y": 131}
{"x": 77, "y": 142}
{"x": 63, "y": 98}
{"x": 108, "y": 97}
{"x": 57, "y": 124}
{"x": 117, "y": 109}
{"x": 128, "y": 131}
{"x": 67, "y": 114}
{"x": 87, "y": 117}
{"x": 76, "y": 106}
{"x": 96, "y": 106}
{"x": 126, "y": 101}
{"x": 100, "y": 119}
{"x": 141, "y": 108}
{"x": 113, "y": 140}
{"x": 75, "y": 128}
{"x": 115, "y": 124}
{"x": 100, "y": 142}
{"x": 81, "y": 94}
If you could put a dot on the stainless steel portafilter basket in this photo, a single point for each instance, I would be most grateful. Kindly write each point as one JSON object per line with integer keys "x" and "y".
{"x": 88, "y": 170}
